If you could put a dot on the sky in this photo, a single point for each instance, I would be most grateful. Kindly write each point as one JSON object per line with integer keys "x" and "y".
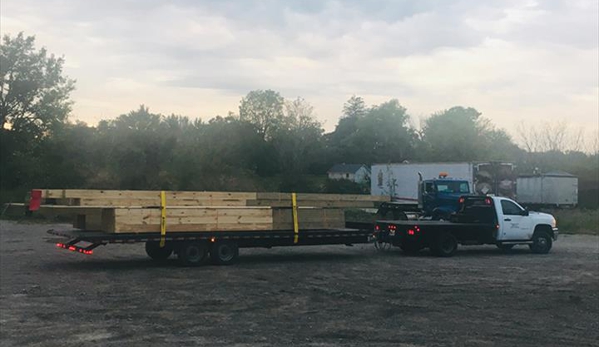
{"x": 520, "y": 62}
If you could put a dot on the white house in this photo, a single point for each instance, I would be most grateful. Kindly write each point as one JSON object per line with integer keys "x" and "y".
{"x": 358, "y": 173}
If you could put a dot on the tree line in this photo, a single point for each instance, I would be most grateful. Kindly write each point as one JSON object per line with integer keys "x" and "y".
{"x": 269, "y": 144}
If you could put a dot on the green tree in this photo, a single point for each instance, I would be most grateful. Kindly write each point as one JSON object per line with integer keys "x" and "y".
{"x": 34, "y": 102}
{"x": 461, "y": 134}
{"x": 378, "y": 134}
{"x": 264, "y": 110}
{"x": 34, "y": 92}
{"x": 298, "y": 142}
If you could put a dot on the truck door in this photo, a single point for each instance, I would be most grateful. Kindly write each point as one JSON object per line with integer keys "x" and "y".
{"x": 515, "y": 223}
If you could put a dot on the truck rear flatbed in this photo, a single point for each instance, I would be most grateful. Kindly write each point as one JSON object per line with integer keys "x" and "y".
{"x": 221, "y": 246}
{"x": 480, "y": 220}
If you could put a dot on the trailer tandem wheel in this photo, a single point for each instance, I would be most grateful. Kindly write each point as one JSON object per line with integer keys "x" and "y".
{"x": 224, "y": 252}
{"x": 192, "y": 253}
{"x": 156, "y": 252}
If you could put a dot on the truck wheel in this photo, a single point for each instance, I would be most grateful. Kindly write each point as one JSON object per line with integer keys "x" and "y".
{"x": 156, "y": 252}
{"x": 444, "y": 245}
{"x": 504, "y": 247}
{"x": 541, "y": 243}
{"x": 193, "y": 253}
{"x": 224, "y": 253}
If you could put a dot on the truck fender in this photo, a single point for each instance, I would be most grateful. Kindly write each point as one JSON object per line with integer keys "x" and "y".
{"x": 544, "y": 227}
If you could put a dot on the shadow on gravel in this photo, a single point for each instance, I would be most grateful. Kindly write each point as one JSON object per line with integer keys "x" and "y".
{"x": 464, "y": 253}
{"x": 266, "y": 258}
{"x": 244, "y": 260}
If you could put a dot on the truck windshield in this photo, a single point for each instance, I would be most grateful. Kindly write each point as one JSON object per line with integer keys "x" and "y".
{"x": 453, "y": 187}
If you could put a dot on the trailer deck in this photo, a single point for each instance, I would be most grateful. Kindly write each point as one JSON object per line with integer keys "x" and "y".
{"x": 85, "y": 242}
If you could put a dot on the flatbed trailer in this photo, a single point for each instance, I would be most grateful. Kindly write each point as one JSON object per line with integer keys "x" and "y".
{"x": 195, "y": 248}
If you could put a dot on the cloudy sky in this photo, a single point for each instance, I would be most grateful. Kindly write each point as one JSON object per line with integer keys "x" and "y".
{"x": 512, "y": 60}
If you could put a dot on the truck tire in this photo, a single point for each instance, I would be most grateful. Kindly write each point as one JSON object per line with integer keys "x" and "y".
{"x": 505, "y": 247}
{"x": 193, "y": 253}
{"x": 444, "y": 245}
{"x": 156, "y": 252}
{"x": 541, "y": 242}
{"x": 224, "y": 253}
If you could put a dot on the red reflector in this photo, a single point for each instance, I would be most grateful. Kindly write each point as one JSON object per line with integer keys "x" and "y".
{"x": 60, "y": 245}
{"x": 376, "y": 227}
{"x": 72, "y": 248}
{"x": 410, "y": 232}
{"x": 461, "y": 201}
{"x": 488, "y": 201}
{"x": 35, "y": 200}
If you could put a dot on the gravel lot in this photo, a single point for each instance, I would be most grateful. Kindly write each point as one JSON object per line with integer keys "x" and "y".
{"x": 305, "y": 296}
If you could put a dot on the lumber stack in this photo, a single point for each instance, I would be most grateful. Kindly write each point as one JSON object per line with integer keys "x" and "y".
{"x": 186, "y": 219}
{"x": 126, "y": 211}
{"x": 141, "y": 198}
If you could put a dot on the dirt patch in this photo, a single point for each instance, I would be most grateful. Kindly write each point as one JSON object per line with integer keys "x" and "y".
{"x": 306, "y": 296}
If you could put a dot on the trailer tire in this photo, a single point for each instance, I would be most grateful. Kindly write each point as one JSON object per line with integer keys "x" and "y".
{"x": 444, "y": 245}
{"x": 192, "y": 253}
{"x": 156, "y": 252}
{"x": 541, "y": 242}
{"x": 224, "y": 252}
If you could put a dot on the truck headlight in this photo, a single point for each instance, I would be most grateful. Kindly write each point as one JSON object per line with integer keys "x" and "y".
{"x": 553, "y": 223}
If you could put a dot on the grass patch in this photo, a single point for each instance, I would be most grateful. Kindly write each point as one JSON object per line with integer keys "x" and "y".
{"x": 577, "y": 221}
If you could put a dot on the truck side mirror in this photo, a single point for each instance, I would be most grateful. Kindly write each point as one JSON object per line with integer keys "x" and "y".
{"x": 525, "y": 212}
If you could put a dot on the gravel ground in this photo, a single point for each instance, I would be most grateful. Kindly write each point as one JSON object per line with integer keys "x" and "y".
{"x": 305, "y": 296}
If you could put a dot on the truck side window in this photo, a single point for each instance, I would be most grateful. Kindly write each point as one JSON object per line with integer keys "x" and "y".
{"x": 429, "y": 187}
{"x": 509, "y": 208}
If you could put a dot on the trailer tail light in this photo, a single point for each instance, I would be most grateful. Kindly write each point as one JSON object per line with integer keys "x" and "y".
{"x": 377, "y": 227}
{"x": 411, "y": 232}
{"x": 75, "y": 248}
{"x": 488, "y": 201}
{"x": 461, "y": 200}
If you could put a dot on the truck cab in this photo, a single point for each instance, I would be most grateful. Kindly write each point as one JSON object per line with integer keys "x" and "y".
{"x": 438, "y": 198}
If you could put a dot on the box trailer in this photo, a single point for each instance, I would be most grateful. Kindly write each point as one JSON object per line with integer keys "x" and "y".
{"x": 550, "y": 189}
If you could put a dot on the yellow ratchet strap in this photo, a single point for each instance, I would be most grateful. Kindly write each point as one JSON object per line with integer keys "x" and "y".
{"x": 162, "y": 218}
{"x": 295, "y": 223}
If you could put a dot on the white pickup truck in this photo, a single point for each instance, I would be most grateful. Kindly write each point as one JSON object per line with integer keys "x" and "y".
{"x": 479, "y": 220}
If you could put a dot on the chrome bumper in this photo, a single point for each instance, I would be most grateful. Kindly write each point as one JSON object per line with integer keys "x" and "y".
{"x": 555, "y": 233}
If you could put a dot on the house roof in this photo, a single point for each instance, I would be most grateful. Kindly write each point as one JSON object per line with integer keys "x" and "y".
{"x": 345, "y": 168}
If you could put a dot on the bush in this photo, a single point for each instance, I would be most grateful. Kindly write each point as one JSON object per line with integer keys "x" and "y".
{"x": 577, "y": 221}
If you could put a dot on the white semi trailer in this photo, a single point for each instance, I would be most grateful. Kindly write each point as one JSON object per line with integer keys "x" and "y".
{"x": 400, "y": 180}
{"x": 549, "y": 189}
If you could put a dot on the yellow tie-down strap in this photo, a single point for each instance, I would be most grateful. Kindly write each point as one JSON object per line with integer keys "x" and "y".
{"x": 162, "y": 218}
{"x": 295, "y": 223}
